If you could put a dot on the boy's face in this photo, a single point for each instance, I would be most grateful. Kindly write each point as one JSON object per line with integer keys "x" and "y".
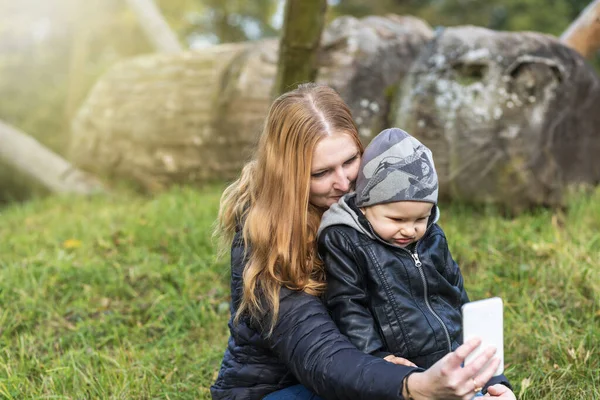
{"x": 400, "y": 223}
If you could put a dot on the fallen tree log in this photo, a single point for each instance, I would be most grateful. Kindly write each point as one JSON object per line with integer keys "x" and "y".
{"x": 195, "y": 116}
{"x": 27, "y": 155}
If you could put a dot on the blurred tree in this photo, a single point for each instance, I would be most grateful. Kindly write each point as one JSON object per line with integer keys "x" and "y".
{"x": 547, "y": 16}
{"x": 154, "y": 25}
{"x": 302, "y": 27}
{"x": 537, "y": 15}
{"x": 54, "y": 50}
{"x": 222, "y": 21}
{"x": 51, "y": 52}
{"x": 180, "y": 15}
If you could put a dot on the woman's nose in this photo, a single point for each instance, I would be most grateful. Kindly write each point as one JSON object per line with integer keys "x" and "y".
{"x": 342, "y": 182}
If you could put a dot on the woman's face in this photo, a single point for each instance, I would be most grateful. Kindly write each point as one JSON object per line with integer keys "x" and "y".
{"x": 334, "y": 169}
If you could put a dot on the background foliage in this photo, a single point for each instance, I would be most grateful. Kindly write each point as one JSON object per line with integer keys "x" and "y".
{"x": 52, "y": 51}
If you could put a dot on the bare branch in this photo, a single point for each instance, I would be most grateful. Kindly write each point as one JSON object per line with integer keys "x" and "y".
{"x": 583, "y": 34}
{"x": 26, "y": 154}
{"x": 154, "y": 25}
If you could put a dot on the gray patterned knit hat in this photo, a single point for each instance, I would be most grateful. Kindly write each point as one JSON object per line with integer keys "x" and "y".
{"x": 396, "y": 167}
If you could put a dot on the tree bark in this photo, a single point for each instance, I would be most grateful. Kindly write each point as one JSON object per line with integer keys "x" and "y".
{"x": 302, "y": 28}
{"x": 154, "y": 25}
{"x": 583, "y": 34}
{"x": 56, "y": 174}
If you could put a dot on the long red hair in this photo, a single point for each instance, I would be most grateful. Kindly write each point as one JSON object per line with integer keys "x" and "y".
{"x": 271, "y": 198}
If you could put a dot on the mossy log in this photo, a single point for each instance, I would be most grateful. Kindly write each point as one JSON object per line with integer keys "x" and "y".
{"x": 195, "y": 116}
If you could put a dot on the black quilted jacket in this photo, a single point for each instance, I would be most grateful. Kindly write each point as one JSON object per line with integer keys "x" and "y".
{"x": 304, "y": 347}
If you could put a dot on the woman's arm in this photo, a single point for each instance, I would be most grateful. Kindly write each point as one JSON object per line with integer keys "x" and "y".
{"x": 448, "y": 379}
{"x": 307, "y": 340}
{"x": 347, "y": 298}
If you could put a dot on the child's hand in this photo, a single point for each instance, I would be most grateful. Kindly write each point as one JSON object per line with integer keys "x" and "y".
{"x": 399, "y": 360}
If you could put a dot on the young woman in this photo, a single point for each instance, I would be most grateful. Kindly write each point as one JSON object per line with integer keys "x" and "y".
{"x": 283, "y": 344}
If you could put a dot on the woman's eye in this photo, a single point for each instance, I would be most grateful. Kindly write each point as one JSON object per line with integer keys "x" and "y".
{"x": 318, "y": 174}
{"x": 350, "y": 161}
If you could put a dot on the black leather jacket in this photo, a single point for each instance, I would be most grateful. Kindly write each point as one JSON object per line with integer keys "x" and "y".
{"x": 389, "y": 300}
{"x": 305, "y": 346}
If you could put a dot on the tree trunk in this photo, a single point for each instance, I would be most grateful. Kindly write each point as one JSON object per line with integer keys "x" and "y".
{"x": 584, "y": 33}
{"x": 302, "y": 28}
{"x": 155, "y": 26}
{"x": 27, "y": 155}
{"x": 77, "y": 66}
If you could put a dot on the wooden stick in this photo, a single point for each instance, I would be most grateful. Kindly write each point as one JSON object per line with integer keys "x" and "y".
{"x": 583, "y": 34}
{"x": 26, "y": 154}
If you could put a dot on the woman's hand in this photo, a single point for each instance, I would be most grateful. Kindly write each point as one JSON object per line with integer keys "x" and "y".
{"x": 399, "y": 360}
{"x": 500, "y": 392}
{"x": 448, "y": 379}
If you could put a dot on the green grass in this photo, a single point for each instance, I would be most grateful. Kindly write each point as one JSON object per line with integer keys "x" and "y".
{"x": 111, "y": 298}
{"x": 124, "y": 298}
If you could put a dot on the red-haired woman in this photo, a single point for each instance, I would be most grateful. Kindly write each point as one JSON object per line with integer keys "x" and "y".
{"x": 283, "y": 344}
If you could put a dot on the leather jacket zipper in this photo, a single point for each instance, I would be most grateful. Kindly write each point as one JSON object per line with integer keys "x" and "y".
{"x": 418, "y": 264}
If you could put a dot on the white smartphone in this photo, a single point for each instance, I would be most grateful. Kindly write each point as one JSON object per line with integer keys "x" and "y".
{"x": 484, "y": 319}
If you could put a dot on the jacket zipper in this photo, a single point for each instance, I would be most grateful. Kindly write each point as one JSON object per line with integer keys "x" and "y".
{"x": 418, "y": 264}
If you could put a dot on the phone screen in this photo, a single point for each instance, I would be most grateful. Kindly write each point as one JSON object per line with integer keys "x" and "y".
{"x": 484, "y": 319}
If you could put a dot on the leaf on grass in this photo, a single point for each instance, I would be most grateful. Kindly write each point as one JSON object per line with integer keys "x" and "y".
{"x": 525, "y": 383}
{"x": 544, "y": 249}
{"x": 103, "y": 243}
{"x": 71, "y": 244}
{"x": 169, "y": 375}
{"x": 558, "y": 222}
